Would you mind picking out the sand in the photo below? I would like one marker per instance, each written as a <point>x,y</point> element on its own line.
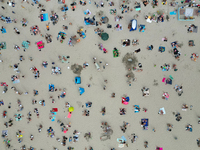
<point>187,75</point>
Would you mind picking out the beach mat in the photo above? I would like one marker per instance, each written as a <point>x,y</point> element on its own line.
<point>195,30</point>
<point>172,13</point>
<point>69,115</point>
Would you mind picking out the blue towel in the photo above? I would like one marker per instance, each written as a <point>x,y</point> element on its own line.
<point>123,138</point>
<point>172,13</point>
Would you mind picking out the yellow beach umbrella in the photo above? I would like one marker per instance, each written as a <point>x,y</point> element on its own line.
<point>71,109</point>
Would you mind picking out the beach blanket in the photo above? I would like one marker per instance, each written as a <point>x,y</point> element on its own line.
<point>44,17</point>
<point>163,109</point>
<point>25,44</point>
<point>39,43</point>
<point>136,109</point>
<point>2,45</point>
<point>115,53</point>
<point>16,81</point>
<point>50,87</point>
<point>69,115</point>
<point>3,30</point>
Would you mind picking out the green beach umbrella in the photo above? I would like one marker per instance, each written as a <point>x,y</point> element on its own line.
<point>104,36</point>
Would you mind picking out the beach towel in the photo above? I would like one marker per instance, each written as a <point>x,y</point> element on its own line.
<point>135,109</point>
<point>2,45</point>
<point>54,109</point>
<point>163,80</point>
<point>81,90</point>
<point>120,140</point>
<point>170,76</point>
<point>142,28</point>
<point>172,13</point>
<point>39,43</point>
<point>45,17</point>
<point>53,118</point>
<point>195,29</point>
<point>3,30</point>
<point>51,86</point>
<point>115,53</point>
<point>25,44</point>
<point>16,81</point>
<point>69,115</point>
<point>147,122</point>
<point>163,109</point>
<point>123,138</point>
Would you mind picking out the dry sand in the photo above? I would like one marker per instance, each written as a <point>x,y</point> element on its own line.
<point>187,75</point>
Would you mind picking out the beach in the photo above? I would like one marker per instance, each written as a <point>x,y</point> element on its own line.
<point>112,69</point>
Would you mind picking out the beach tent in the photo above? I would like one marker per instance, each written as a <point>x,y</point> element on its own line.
<point>81,90</point>
<point>78,80</point>
<point>44,17</point>
<point>133,25</point>
<point>104,36</point>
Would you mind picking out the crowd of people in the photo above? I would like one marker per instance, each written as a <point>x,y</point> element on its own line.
<point>124,8</point>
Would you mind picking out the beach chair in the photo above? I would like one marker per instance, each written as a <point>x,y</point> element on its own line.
<point>142,28</point>
<point>77,80</point>
<point>44,17</point>
<point>81,90</point>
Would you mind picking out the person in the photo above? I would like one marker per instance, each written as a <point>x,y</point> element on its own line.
<point>145,2</point>
<point>103,111</point>
<point>113,95</point>
<point>47,27</point>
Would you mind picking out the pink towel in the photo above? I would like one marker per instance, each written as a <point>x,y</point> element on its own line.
<point>69,115</point>
<point>163,80</point>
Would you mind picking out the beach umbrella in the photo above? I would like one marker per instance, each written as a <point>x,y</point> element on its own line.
<point>104,36</point>
<point>105,19</point>
<point>71,109</point>
<point>81,90</point>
